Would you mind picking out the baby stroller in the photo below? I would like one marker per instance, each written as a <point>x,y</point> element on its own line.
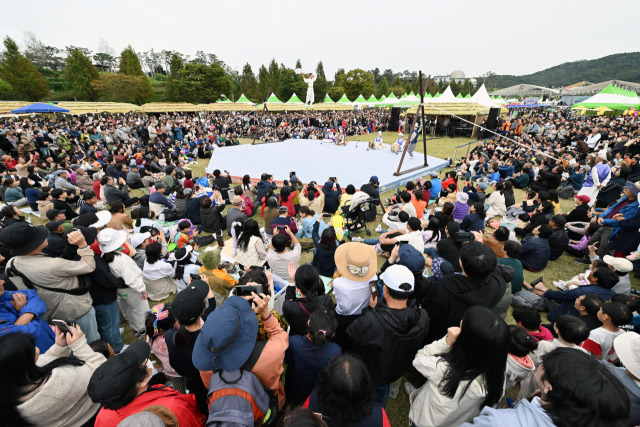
<point>355,213</point>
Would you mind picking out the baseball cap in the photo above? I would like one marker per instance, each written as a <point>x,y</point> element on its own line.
<point>396,276</point>
<point>622,265</point>
<point>583,198</point>
<point>138,238</point>
<point>283,209</point>
<point>411,258</point>
<point>627,347</point>
<point>189,304</point>
<point>483,185</point>
<point>374,179</point>
<point>630,185</point>
<point>115,378</point>
<point>53,225</point>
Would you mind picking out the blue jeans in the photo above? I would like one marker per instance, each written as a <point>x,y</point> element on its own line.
<point>382,394</point>
<point>373,241</point>
<point>432,252</point>
<point>108,318</point>
<point>89,326</point>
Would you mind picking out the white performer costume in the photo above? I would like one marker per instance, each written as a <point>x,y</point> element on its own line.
<point>310,95</point>
<point>399,144</point>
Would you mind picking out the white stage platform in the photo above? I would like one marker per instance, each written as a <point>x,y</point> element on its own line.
<point>317,161</point>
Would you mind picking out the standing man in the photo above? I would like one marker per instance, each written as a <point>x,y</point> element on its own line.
<point>309,81</point>
<point>597,178</point>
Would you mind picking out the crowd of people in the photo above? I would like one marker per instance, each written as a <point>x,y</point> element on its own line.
<point>207,274</point>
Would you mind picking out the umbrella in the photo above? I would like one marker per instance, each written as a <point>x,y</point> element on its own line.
<point>39,107</point>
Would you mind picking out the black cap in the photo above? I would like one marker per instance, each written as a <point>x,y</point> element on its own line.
<point>52,213</point>
<point>89,233</point>
<point>189,304</point>
<point>53,225</point>
<point>115,378</point>
<point>22,237</point>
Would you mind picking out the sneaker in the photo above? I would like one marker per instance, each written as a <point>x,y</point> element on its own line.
<point>357,239</point>
<point>378,228</point>
<point>393,392</point>
<point>121,331</point>
<point>141,335</point>
<point>409,388</point>
<point>583,260</point>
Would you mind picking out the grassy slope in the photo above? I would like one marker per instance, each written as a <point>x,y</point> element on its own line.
<point>562,268</point>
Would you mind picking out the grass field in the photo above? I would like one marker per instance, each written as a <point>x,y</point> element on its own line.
<point>563,268</point>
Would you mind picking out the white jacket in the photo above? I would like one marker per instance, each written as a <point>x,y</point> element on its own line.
<point>431,408</point>
<point>497,205</point>
<point>516,372</point>
<point>126,268</point>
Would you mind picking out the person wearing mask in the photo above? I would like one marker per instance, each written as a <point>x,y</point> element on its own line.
<point>389,333</point>
<point>462,378</point>
<point>33,383</point>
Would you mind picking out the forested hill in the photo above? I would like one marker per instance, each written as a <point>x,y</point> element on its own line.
<point>621,66</point>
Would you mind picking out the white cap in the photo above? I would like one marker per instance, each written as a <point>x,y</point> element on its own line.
<point>622,265</point>
<point>627,347</point>
<point>397,275</point>
<point>103,219</point>
<point>138,238</point>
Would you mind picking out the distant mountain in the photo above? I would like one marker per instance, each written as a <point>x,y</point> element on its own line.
<point>621,66</point>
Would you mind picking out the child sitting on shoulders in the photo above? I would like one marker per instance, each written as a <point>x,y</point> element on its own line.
<point>519,364</point>
<point>529,319</point>
<point>600,341</point>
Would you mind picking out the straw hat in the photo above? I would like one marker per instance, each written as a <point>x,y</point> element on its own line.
<point>356,261</point>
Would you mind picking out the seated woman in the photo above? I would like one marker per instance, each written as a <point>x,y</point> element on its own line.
<point>345,394</point>
<point>36,382</point>
<point>251,248</point>
<point>11,215</point>
<point>146,218</point>
<point>475,220</point>
<point>120,220</point>
<point>287,197</point>
<point>326,243</point>
<point>296,310</point>
<point>157,274</point>
<point>461,379</point>
<point>191,206</point>
<point>30,192</point>
<point>495,204</point>
<point>13,195</point>
<point>308,219</point>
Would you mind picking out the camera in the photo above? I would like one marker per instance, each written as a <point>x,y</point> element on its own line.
<point>152,230</point>
<point>463,236</point>
<point>333,178</point>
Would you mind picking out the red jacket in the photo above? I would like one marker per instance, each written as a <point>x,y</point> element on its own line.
<point>96,188</point>
<point>183,406</point>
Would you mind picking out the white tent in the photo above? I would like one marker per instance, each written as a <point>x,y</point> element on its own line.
<point>448,96</point>
<point>482,97</point>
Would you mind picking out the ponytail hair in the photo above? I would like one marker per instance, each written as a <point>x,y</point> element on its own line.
<point>322,325</point>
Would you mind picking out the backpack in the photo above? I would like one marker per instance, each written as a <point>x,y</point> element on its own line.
<point>566,192</point>
<point>238,399</point>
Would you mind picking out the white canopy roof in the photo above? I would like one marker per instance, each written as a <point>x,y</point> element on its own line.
<point>482,97</point>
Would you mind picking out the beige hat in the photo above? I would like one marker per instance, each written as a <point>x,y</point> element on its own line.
<point>622,265</point>
<point>356,261</point>
<point>237,200</point>
<point>627,347</point>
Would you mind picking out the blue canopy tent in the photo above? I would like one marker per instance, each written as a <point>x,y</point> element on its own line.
<point>39,107</point>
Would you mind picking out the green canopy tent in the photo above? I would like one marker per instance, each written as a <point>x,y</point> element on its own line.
<point>223,98</point>
<point>437,95</point>
<point>328,100</point>
<point>294,99</point>
<point>459,96</point>
<point>382,98</point>
<point>344,99</point>
<point>610,97</point>
<point>372,99</point>
<point>468,96</point>
<point>360,100</point>
<point>243,100</point>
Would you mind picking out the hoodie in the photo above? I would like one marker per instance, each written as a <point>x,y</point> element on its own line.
<point>544,334</point>
<point>525,414</point>
<point>518,368</point>
<point>263,186</point>
<point>387,339</point>
<point>455,293</point>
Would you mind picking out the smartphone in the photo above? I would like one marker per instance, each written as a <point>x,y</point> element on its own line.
<point>195,276</point>
<point>281,227</point>
<point>63,326</point>
<point>374,288</point>
<point>257,267</point>
<point>246,290</point>
<point>326,215</point>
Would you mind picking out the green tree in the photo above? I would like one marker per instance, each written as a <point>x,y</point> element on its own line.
<point>130,63</point>
<point>23,77</point>
<point>118,87</point>
<point>175,66</point>
<point>79,73</point>
<point>248,83</point>
<point>274,78</point>
<point>264,86</point>
<point>335,93</point>
<point>298,63</point>
<point>201,83</point>
<point>358,82</point>
<point>5,89</point>
<point>321,85</point>
<point>398,91</point>
<point>339,78</point>
<point>383,88</point>
<point>290,83</point>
